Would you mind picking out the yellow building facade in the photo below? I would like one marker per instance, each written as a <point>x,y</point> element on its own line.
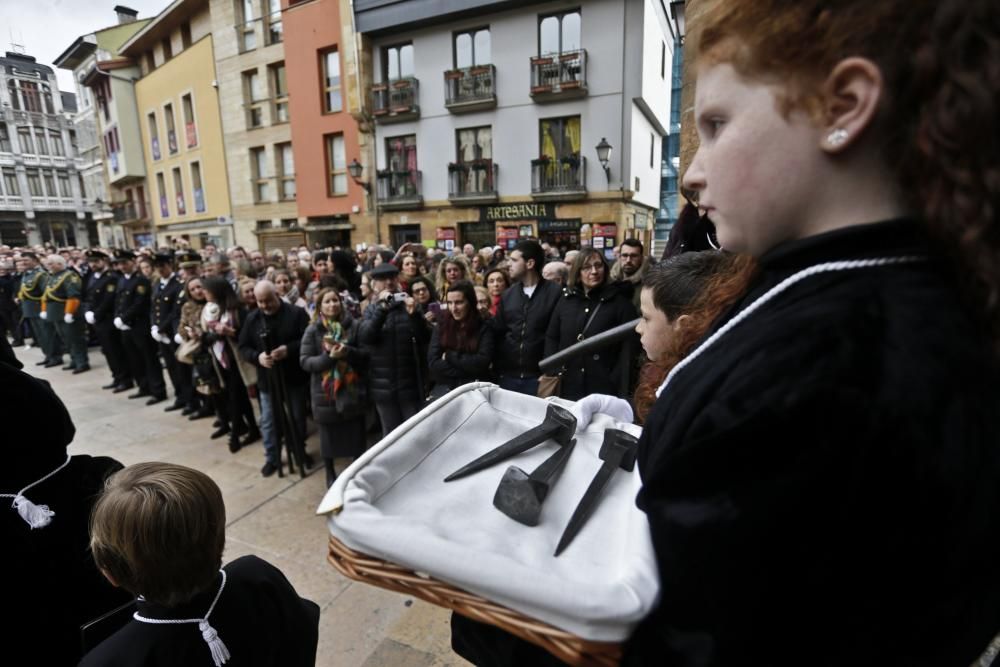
<point>181,127</point>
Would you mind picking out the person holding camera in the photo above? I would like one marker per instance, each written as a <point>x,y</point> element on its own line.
<point>394,331</point>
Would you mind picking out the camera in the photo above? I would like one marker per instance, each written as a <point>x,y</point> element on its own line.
<point>395,298</point>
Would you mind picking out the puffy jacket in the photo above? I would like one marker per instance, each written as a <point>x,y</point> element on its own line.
<point>316,362</point>
<point>393,338</point>
<point>599,372</point>
<point>520,325</point>
<point>453,368</point>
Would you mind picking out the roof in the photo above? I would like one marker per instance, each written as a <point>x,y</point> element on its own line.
<point>25,63</point>
<point>161,26</point>
<point>76,53</point>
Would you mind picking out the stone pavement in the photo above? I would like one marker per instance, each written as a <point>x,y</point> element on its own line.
<point>273,518</point>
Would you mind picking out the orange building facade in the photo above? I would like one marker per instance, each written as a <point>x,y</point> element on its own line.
<point>324,133</point>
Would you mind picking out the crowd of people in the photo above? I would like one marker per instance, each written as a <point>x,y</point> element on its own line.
<point>359,341</point>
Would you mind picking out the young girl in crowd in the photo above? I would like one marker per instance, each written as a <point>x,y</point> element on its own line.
<point>820,472</point>
<point>461,347</point>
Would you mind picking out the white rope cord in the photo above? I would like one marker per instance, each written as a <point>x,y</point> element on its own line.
<point>775,291</point>
<point>36,516</point>
<point>220,654</point>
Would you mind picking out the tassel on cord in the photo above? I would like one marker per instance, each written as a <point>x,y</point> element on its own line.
<point>36,516</point>
<point>220,654</point>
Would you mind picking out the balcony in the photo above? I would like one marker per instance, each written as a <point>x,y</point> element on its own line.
<point>559,179</point>
<point>127,211</point>
<point>470,89</point>
<point>396,101</point>
<point>473,182</point>
<point>559,76</point>
<point>399,189</point>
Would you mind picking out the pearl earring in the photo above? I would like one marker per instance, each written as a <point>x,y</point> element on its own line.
<point>837,137</point>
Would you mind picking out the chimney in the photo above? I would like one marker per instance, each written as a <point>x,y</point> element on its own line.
<point>125,14</point>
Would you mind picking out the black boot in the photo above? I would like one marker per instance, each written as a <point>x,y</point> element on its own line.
<point>331,474</point>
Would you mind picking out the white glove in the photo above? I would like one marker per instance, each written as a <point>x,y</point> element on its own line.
<point>165,340</point>
<point>612,406</point>
<point>154,331</point>
<point>44,315</point>
<point>119,324</point>
<point>89,316</point>
<point>126,327</point>
<point>68,318</point>
<point>178,339</point>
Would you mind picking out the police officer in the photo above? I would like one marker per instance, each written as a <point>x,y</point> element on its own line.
<point>167,290</point>
<point>132,319</point>
<point>99,311</point>
<point>30,295</point>
<point>60,304</point>
<point>9,312</point>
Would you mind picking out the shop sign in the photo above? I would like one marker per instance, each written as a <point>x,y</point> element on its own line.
<point>559,225</point>
<point>606,230</point>
<point>526,211</point>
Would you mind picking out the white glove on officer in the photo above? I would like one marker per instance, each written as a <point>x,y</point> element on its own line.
<point>89,316</point>
<point>165,340</point>
<point>612,406</point>
<point>119,324</point>
<point>178,339</point>
<point>154,331</point>
<point>43,315</point>
<point>68,318</point>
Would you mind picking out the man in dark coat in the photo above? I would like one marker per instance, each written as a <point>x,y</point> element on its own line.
<point>167,290</point>
<point>522,319</point>
<point>276,356</point>
<point>132,318</point>
<point>99,312</point>
<point>394,331</point>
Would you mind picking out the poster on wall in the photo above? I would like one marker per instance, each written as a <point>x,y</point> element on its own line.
<point>507,237</point>
<point>598,242</point>
<point>445,237</point>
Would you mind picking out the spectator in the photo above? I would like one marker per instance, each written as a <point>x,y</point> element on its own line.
<point>247,299</point>
<point>277,358</point>
<point>393,331</point>
<point>408,271</point>
<point>496,282</point>
<point>287,290</point>
<point>337,365</point>
<point>483,302</point>
<point>469,251</point>
<point>590,304</point>
<point>301,281</point>
<point>190,329</point>
<point>367,295</point>
<point>570,257</point>
<point>557,272</point>
<point>450,271</point>
<point>145,266</point>
<point>344,265</point>
<point>423,292</point>
<point>461,347</point>
<point>522,319</point>
<point>257,263</point>
<point>631,266</point>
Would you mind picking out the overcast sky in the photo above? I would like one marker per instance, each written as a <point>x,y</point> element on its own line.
<point>46,28</point>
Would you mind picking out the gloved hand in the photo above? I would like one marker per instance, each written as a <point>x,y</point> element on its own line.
<point>43,315</point>
<point>154,331</point>
<point>178,339</point>
<point>68,318</point>
<point>119,324</point>
<point>164,339</point>
<point>89,316</point>
<point>609,405</point>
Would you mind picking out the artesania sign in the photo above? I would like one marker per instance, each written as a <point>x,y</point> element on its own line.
<point>527,211</point>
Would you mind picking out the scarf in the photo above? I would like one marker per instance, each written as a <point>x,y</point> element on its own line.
<point>340,383</point>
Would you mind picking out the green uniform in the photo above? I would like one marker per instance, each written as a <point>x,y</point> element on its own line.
<point>32,292</point>
<point>66,286</point>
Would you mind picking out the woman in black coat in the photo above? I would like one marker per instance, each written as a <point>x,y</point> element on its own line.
<point>461,346</point>
<point>332,356</point>
<point>591,297</point>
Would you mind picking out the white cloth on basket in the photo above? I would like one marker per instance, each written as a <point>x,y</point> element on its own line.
<point>394,504</point>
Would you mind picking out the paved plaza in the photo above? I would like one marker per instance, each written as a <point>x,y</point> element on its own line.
<point>272,518</point>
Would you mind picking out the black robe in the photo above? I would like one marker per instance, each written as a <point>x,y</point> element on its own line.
<point>259,617</point>
<point>822,484</point>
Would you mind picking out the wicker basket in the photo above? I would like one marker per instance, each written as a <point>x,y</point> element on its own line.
<point>565,646</point>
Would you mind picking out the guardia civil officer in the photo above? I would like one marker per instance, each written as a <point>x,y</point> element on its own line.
<point>132,319</point>
<point>63,292</point>
<point>99,311</point>
<point>167,289</point>
<point>30,295</point>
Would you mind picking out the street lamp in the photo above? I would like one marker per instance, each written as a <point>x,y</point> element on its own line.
<point>355,169</point>
<point>603,155</point>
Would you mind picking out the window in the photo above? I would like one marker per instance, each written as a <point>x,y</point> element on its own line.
<point>47,98</point>
<point>141,190</point>
<point>4,138</point>
<point>286,171</point>
<point>472,48</point>
<point>161,192</point>
<point>336,165</point>
<point>12,93</point>
<point>29,96</point>
<point>41,143</point>
<point>196,188</point>
<point>150,62</point>
<point>475,159</point>
<point>331,82</point>
<point>253,93</point>
<point>248,38</point>
<point>397,62</point>
<point>559,33</point>
<point>274,21</point>
<point>280,87</point>
<point>50,183</point>
<point>168,114</point>
<point>10,183</point>
<point>560,138</point>
<point>263,224</point>
<point>154,135</point>
<point>24,139</point>
<point>56,141</point>
<point>258,167</point>
<point>190,130</point>
<point>179,192</point>
<point>34,182</point>
<point>185,35</point>
<point>64,190</point>
<point>168,51</point>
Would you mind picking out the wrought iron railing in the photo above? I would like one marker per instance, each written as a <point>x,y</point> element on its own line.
<point>559,175</point>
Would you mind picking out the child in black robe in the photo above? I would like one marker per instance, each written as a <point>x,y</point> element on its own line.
<point>159,531</point>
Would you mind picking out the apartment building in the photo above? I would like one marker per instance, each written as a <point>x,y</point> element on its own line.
<point>494,123</point>
<point>41,198</point>
<point>180,126</point>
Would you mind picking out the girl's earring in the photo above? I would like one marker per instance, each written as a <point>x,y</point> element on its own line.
<point>837,137</point>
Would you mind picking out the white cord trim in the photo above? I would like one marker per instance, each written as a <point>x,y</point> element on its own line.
<point>775,291</point>
<point>36,516</point>
<point>220,654</point>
